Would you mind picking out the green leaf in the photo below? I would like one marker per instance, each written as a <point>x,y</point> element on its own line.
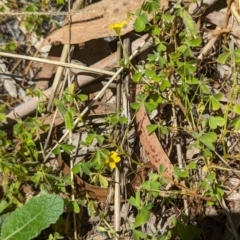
<point>141,218</point>
<point>208,138</point>
<point>34,216</point>
<point>155,31</point>
<point>149,65</point>
<point>215,104</point>
<point>96,157</point>
<point>133,201</point>
<point>214,122</point>
<point>68,148</point>
<point>85,168</point>
<point>152,57</point>
<point>161,61</point>
<point>60,2</point>
<point>151,6</point>
<point>76,208</point>
<point>82,97</point>
<point>68,120</point>
<point>223,57</point>
<point>195,42</point>
<point>137,235</point>
<point>61,107</point>
<point>211,177</point>
<point>161,47</point>
<point>100,139</point>
<point>204,88</point>
<point>90,138</point>
<point>191,165</point>
<point>150,73</point>
<point>31,8</point>
<point>140,23</point>
<point>150,106</point>
<point>236,109</point>
<point>218,96</point>
<point>3,205</point>
<point>2,116</point>
<point>183,173</point>
<point>235,123</point>
<point>91,209</point>
<point>135,106</point>
<point>36,178</point>
<point>136,202</point>
<point>123,120</point>
<point>3,218</point>
<point>237,55</point>
<point>167,17</point>
<point>76,168</point>
<point>103,181</point>
<point>165,84</point>
<point>137,77</point>
<point>56,150</point>
<point>151,128</point>
<point>156,78</point>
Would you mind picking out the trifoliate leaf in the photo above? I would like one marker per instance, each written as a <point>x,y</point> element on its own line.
<point>151,6</point>
<point>165,84</point>
<point>214,122</point>
<point>208,138</point>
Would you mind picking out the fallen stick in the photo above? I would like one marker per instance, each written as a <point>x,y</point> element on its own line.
<point>27,108</point>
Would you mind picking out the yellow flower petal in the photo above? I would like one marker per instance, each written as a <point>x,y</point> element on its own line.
<point>118,26</point>
<point>113,158</point>
<point>112,165</point>
<point>113,154</point>
<point>117,159</point>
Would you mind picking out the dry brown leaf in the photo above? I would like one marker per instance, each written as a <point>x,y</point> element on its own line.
<point>99,193</point>
<point>219,19</point>
<point>111,11</point>
<point>151,144</point>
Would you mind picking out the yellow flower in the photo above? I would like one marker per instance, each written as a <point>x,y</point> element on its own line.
<point>113,158</point>
<point>118,26</point>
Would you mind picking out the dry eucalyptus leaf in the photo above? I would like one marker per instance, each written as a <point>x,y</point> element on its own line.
<point>111,11</point>
<point>219,19</point>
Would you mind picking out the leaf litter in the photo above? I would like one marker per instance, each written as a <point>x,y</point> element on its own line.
<point>185,205</point>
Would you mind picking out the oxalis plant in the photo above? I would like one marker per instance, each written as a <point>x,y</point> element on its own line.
<point>168,77</point>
